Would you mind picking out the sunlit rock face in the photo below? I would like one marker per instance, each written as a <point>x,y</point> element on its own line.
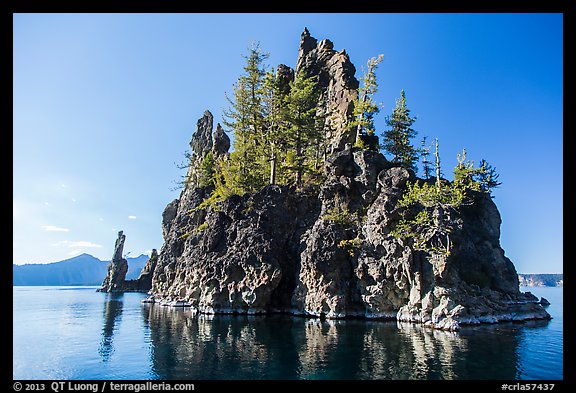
<point>336,78</point>
<point>330,252</point>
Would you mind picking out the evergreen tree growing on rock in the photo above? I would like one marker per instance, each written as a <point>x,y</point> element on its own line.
<point>397,138</point>
<point>274,99</point>
<point>245,118</point>
<point>364,106</point>
<point>305,127</point>
<point>426,164</point>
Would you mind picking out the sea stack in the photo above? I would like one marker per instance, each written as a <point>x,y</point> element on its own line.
<point>117,269</point>
<point>115,280</point>
<point>334,250</point>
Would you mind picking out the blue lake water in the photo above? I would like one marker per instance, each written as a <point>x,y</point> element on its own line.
<point>77,333</point>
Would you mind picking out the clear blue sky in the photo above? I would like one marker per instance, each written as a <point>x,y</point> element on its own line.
<point>105,106</point>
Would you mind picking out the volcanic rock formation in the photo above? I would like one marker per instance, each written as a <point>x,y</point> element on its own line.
<point>331,252</point>
<point>115,280</point>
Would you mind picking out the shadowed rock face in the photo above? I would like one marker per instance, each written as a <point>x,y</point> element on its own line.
<point>147,273</point>
<point>116,276</point>
<point>330,253</point>
<point>201,142</point>
<point>281,250</point>
<point>221,143</point>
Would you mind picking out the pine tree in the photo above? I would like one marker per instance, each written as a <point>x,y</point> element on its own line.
<point>484,178</point>
<point>207,169</point>
<point>275,114</point>
<point>364,106</point>
<point>487,177</point>
<point>397,138</point>
<point>302,107</point>
<point>245,118</point>
<point>426,164</point>
<point>464,173</point>
<point>438,169</point>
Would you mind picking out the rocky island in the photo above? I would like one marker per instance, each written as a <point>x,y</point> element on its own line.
<point>336,230</point>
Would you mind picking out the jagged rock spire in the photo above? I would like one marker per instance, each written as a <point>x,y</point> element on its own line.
<point>336,78</point>
<point>115,280</point>
<point>119,246</point>
<point>203,142</point>
<point>117,269</point>
<point>307,43</point>
<point>220,142</point>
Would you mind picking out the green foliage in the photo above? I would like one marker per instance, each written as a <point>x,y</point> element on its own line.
<point>464,173</point>
<point>305,125</point>
<point>249,207</point>
<point>414,229</point>
<point>278,132</point>
<point>397,139</point>
<point>483,178</point>
<point>340,216</point>
<point>200,228</point>
<point>426,163</point>
<point>207,169</point>
<point>212,202</point>
<point>487,177</point>
<point>275,113</point>
<point>361,144</point>
<point>351,246</point>
<point>228,180</point>
<point>185,236</point>
<point>245,117</point>
<point>185,179</point>
<point>364,106</point>
<point>429,195</point>
<point>440,197</point>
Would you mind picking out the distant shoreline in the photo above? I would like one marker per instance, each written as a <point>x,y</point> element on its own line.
<point>541,280</point>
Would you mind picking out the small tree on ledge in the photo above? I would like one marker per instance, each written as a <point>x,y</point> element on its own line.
<point>364,106</point>
<point>397,138</point>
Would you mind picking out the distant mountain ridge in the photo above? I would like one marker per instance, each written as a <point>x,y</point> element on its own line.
<point>83,269</point>
<point>541,280</point>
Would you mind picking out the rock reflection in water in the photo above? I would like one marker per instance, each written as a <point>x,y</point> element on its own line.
<point>112,314</point>
<point>189,346</point>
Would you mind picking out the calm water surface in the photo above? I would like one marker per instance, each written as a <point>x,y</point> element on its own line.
<point>77,333</point>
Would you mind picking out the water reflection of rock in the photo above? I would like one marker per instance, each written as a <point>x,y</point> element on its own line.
<point>188,346</point>
<point>112,315</point>
<point>433,354</point>
<point>319,339</point>
<point>218,347</point>
<point>486,352</point>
